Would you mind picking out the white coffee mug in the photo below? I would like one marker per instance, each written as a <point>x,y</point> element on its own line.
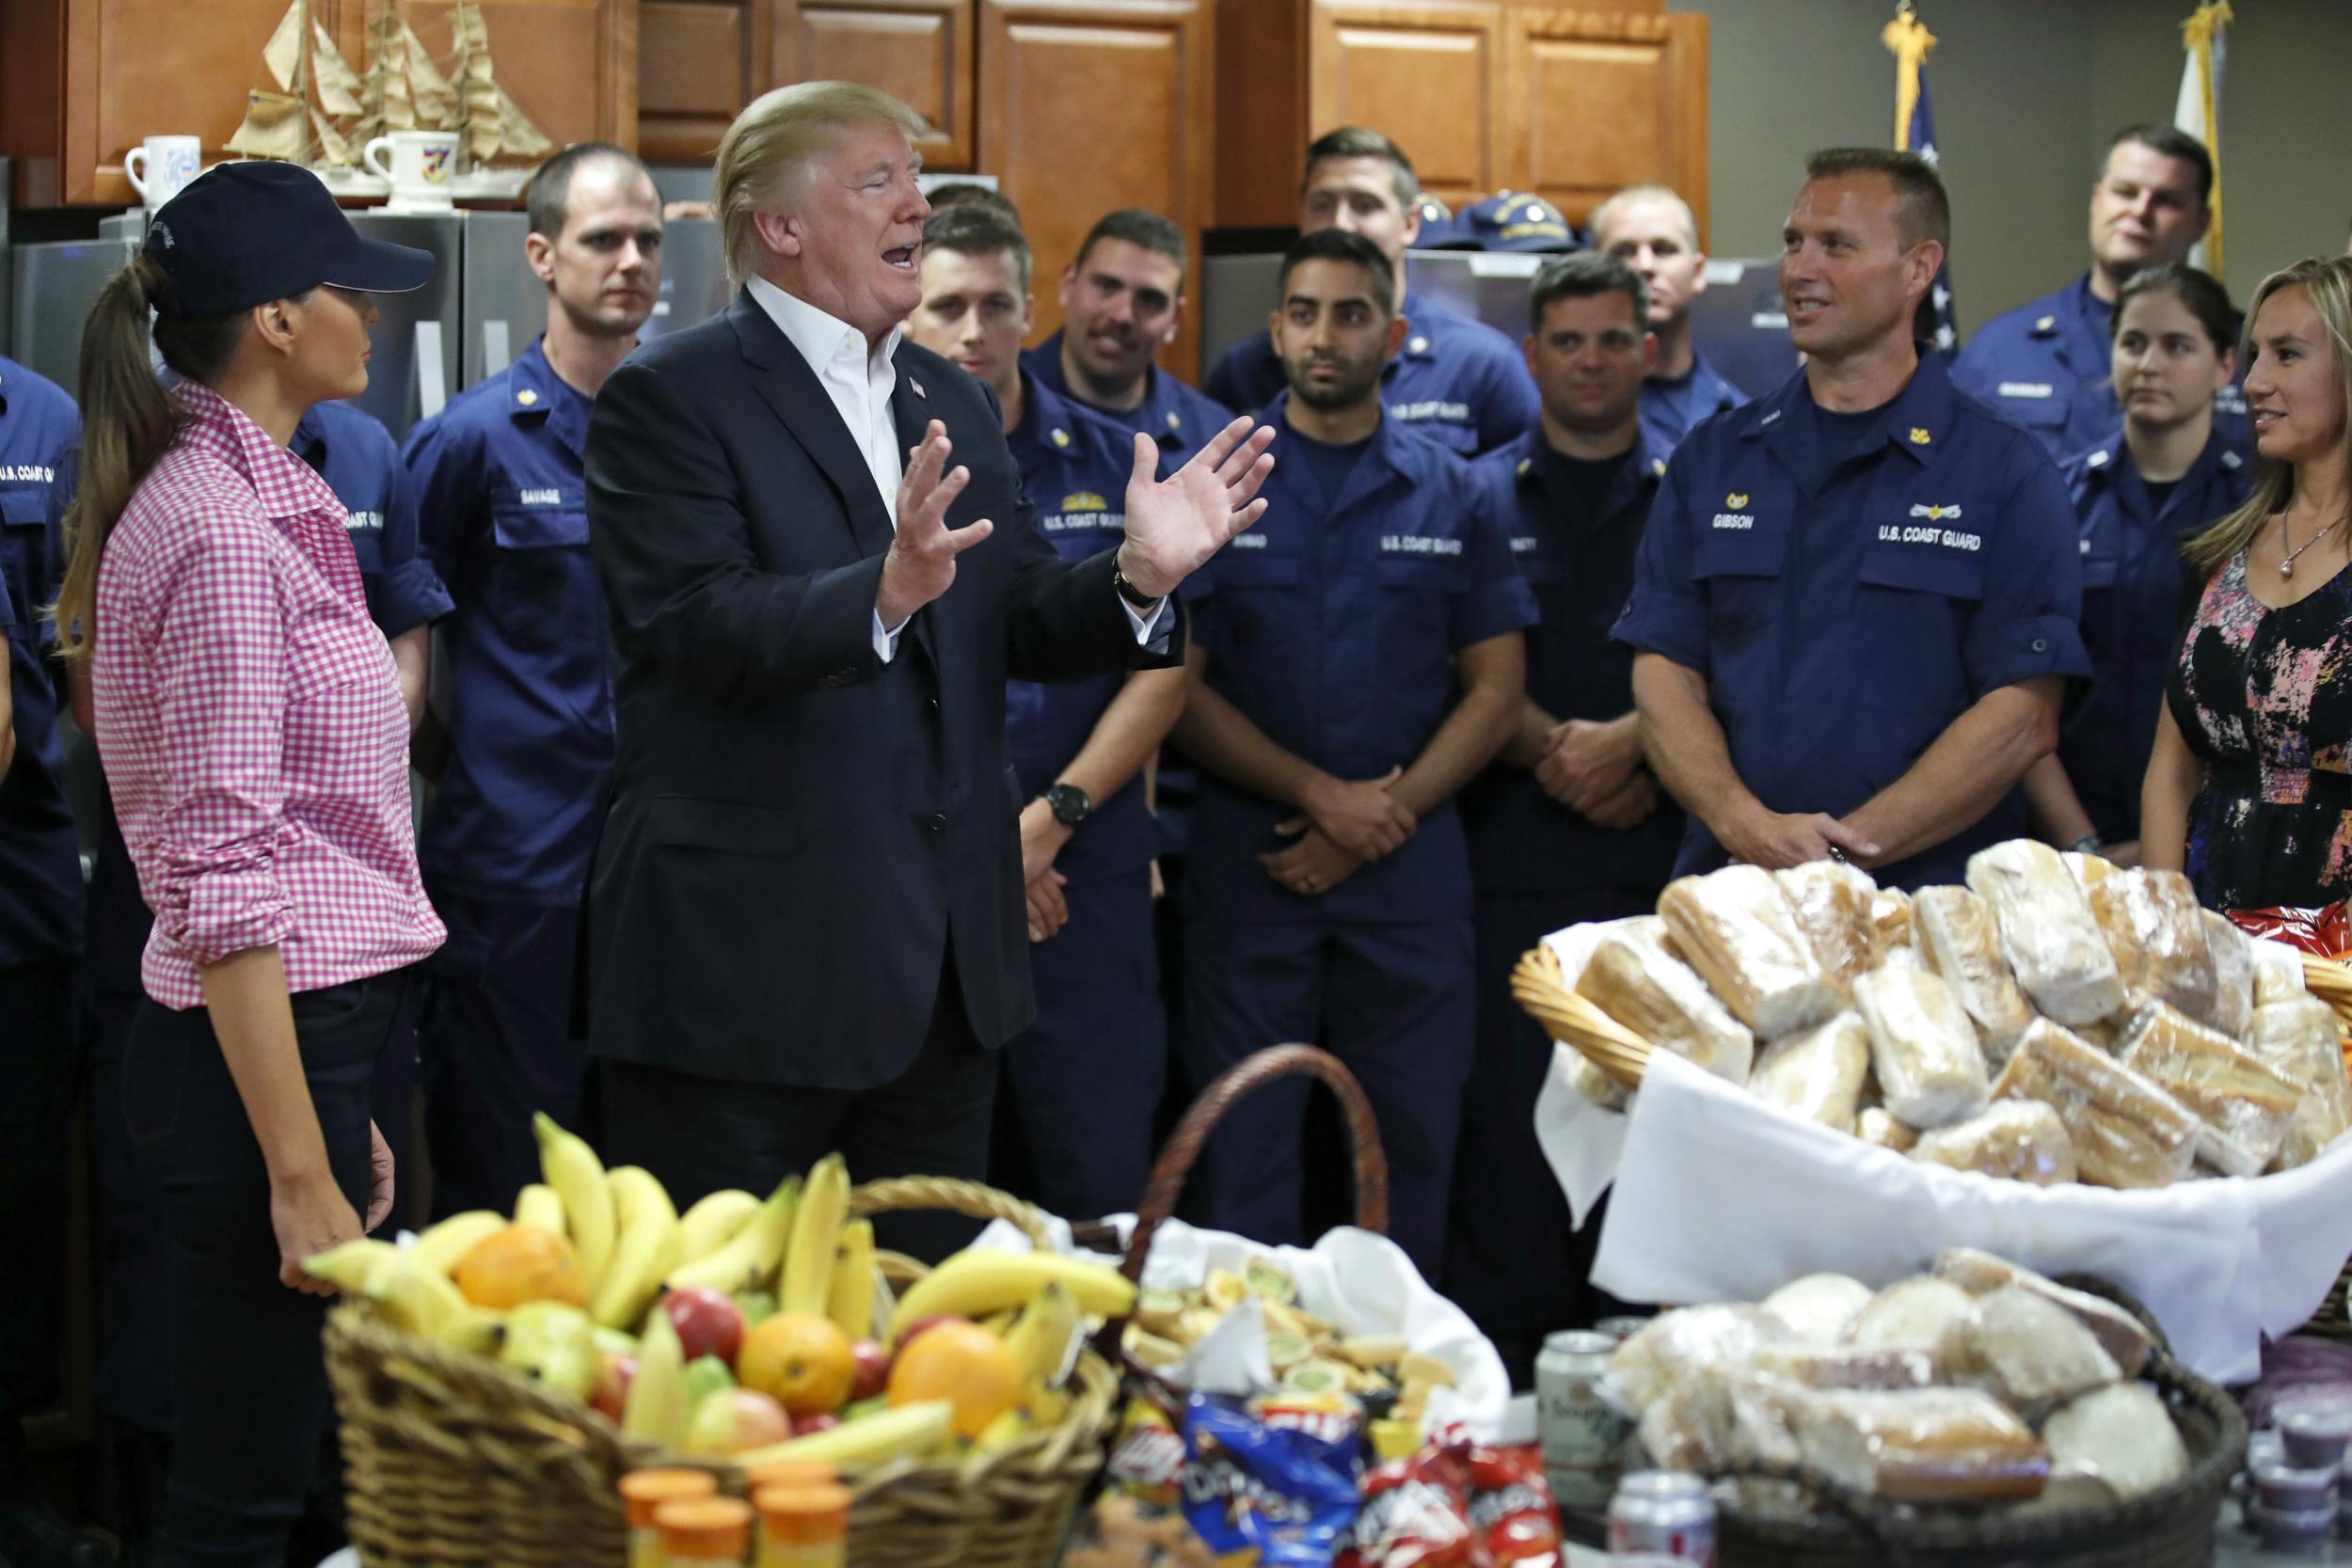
<point>419,163</point>
<point>158,167</point>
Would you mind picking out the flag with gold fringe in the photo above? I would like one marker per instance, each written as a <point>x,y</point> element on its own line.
<point>2198,111</point>
<point>1915,132</point>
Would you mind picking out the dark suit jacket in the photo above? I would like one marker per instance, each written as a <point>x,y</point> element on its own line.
<point>801,835</point>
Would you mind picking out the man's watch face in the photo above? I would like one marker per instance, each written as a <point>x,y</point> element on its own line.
<point>1069,803</point>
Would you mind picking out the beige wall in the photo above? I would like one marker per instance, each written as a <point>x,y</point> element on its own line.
<point>2026,94</point>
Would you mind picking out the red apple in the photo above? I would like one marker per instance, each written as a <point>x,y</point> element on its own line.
<point>823,1420</point>
<point>707,1322</point>
<point>734,1420</point>
<point>872,1364</point>
<point>921,1326</point>
<point>613,1380</point>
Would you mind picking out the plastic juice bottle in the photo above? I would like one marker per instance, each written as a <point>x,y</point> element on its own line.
<point>704,1532</point>
<point>803,1527</point>
<point>788,1472</point>
<point>643,1490</point>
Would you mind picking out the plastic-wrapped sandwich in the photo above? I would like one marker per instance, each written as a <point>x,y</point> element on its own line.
<point>1890,919</point>
<point>2297,1038</point>
<point>1955,933</point>
<point>2157,934</point>
<point>1922,1445</point>
<point>2245,1105</point>
<point>2028,1351</point>
<point>1635,980</point>
<point>2231,952</point>
<point>1930,1070</point>
<point>1735,927</point>
<point>2122,1434</point>
<point>2053,943</point>
<point>2128,1130</point>
<point>1817,1074</point>
<point>2022,1140</point>
<point>1981,1274</point>
<point>1831,903</point>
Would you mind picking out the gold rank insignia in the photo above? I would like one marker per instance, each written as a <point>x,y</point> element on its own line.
<point>1919,436</point>
<point>1060,437</point>
<point>2045,324</point>
<point>1525,464</point>
<point>1418,345</point>
<point>1736,499</point>
<point>1175,421</point>
<point>1658,466</point>
<point>526,397</point>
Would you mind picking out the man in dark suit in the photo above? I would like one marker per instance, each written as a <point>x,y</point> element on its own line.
<point>805,917</point>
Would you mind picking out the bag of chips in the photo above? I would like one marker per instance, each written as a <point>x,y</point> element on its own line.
<point>1263,1495</point>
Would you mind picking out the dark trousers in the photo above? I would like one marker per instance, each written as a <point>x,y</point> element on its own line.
<point>700,1134</point>
<point>40,1062</point>
<point>497,1045</point>
<point>1514,1261</point>
<point>248,1385</point>
<point>1393,1002</point>
<point>1081,1084</point>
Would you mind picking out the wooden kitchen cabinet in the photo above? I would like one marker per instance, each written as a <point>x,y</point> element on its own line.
<point>83,81</point>
<point>1485,95</point>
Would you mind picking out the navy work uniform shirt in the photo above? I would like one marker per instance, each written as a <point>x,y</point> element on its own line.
<point>1577,558</point>
<point>505,518</point>
<point>351,450</point>
<point>1332,624</point>
<point>2136,588</point>
<point>1671,405</point>
<point>1457,381</point>
<point>2047,366</point>
<point>1845,613</point>
<point>40,860</point>
<point>1073,468</point>
<point>1176,416</point>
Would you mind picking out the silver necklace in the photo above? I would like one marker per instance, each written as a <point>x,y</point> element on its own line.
<point>2286,562</point>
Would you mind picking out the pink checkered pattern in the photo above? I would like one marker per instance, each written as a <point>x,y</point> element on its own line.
<point>249,719</point>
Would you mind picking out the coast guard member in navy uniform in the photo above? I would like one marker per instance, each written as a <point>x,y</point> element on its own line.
<point>1362,663</point>
<point>506,842</point>
<point>1568,824</point>
<point>1452,378</point>
<point>1074,1126</point>
<point>1654,232</point>
<point>1856,605</point>
<point>1123,300</point>
<point>2044,364</point>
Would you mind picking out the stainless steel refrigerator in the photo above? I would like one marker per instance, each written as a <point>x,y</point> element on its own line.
<point>53,287</point>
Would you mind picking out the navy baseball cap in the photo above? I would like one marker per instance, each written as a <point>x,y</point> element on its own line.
<point>1440,229</point>
<point>1516,221</point>
<point>242,235</point>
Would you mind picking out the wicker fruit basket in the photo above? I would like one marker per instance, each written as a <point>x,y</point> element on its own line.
<point>450,1459</point>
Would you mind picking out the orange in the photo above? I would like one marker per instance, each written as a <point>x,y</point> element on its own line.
<point>521,1263</point>
<point>800,1359</point>
<point>964,1364</point>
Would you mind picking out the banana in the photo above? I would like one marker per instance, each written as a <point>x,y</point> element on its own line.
<point>655,1408</point>
<point>974,1283</point>
<point>349,1266</point>
<point>1040,1341</point>
<point>648,1248</point>
<point>712,1223</point>
<point>748,1262</point>
<point>443,1247</point>
<point>539,1205</point>
<point>850,1304</point>
<point>475,1330</point>
<point>907,1430</point>
<point>577,1176</point>
<point>807,1285</point>
<point>415,1298</point>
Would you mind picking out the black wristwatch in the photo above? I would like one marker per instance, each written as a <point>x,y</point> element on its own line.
<point>1129,591</point>
<point>1069,803</point>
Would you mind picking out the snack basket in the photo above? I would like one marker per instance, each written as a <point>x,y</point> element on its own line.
<point>450,1459</point>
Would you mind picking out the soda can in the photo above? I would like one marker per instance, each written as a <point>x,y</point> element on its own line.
<point>1622,1328</point>
<point>1583,1434</point>
<point>1664,1511</point>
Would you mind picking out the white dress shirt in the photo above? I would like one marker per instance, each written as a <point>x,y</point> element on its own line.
<point>859,379</point>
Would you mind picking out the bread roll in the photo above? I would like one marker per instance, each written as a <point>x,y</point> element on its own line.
<point>1734,928</point>
<point>2028,1351</point>
<point>1890,920</point>
<point>2053,943</point>
<point>1915,1313</point>
<point>1831,903</point>
<point>2122,1434</point>
<point>1713,1420</point>
<point>2128,1131</point>
<point>1955,933</point>
<point>1922,1445</point>
<point>1877,1125</point>
<point>1981,1274</point>
<point>2275,980</point>
<point>1595,1084</point>
<point>1818,1074</point>
<point>1635,980</point>
<point>2231,952</point>
<point>1674,1345</point>
<point>1923,1048</point>
<point>2300,1040</point>
<point>2022,1140</point>
<point>2157,932</point>
<point>2088,871</point>
<point>2244,1106</point>
<point>1819,1305</point>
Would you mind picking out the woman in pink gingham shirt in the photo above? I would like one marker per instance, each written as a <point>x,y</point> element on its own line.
<point>250,724</point>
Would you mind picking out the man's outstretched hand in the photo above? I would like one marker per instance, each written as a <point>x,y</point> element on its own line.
<point>1177,523</point>
<point>922,559</point>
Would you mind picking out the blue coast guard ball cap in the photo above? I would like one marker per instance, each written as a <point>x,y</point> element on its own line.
<point>1516,221</point>
<point>242,234</point>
